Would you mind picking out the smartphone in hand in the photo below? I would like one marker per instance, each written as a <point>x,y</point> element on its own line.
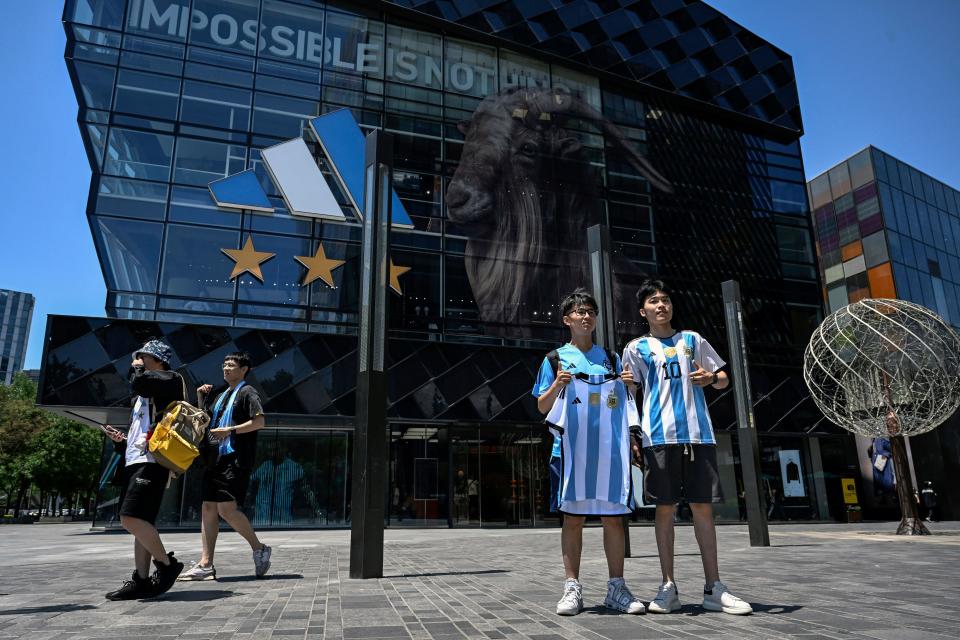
<point>114,434</point>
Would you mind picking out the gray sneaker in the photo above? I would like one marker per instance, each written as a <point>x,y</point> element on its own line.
<point>619,598</point>
<point>572,601</point>
<point>667,600</point>
<point>197,572</point>
<point>261,560</point>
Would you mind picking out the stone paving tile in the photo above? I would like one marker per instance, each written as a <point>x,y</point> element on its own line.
<point>815,581</point>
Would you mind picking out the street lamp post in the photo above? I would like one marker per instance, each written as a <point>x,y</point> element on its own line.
<point>369,486</point>
<point>747,431</point>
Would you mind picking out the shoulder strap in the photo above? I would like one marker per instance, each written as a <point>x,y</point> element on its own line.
<point>554,359</point>
<point>612,357</point>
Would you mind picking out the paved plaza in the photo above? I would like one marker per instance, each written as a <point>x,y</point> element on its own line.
<point>815,581</point>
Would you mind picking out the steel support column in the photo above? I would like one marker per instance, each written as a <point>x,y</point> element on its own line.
<point>746,433</point>
<point>370,451</point>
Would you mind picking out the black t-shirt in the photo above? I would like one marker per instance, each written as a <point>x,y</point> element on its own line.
<point>246,407</point>
<point>160,387</point>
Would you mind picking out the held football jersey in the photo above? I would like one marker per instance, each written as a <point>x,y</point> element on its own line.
<point>594,415</point>
<point>593,362</point>
<point>674,409</point>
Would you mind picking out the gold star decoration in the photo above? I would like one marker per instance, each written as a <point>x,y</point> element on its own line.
<point>248,260</point>
<point>395,273</point>
<point>318,266</point>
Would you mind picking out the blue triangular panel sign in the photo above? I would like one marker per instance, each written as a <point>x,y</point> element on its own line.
<point>240,191</point>
<point>342,141</point>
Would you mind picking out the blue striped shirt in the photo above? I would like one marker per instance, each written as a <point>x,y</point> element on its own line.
<point>592,362</point>
<point>674,409</point>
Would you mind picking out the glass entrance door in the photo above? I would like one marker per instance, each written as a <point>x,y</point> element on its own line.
<point>418,491</point>
<point>509,475</point>
<point>466,479</point>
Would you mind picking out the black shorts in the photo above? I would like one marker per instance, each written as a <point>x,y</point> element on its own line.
<point>142,490</point>
<point>676,471</point>
<point>225,482</point>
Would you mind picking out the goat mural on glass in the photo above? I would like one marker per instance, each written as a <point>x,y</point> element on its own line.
<point>524,194</point>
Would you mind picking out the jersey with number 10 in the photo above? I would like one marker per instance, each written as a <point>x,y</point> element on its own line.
<point>674,409</point>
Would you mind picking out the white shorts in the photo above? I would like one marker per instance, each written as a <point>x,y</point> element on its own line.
<point>593,508</point>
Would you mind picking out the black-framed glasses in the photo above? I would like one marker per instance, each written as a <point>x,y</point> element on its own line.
<point>583,311</point>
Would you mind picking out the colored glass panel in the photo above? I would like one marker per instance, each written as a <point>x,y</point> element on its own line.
<point>881,281</point>
<point>861,171</point>
<point>820,191</point>
<point>871,225</point>
<point>839,180</point>
<point>851,250</point>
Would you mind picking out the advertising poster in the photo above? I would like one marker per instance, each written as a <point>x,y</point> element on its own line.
<point>849,490</point>
<point>792,474</point>
<point>525,191</point>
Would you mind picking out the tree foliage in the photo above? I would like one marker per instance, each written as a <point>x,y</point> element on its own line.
<point>65,457</point>
<point>41,448</point>
<point>20,423</point>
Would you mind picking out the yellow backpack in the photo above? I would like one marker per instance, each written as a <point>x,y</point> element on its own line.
<point>176,440</point>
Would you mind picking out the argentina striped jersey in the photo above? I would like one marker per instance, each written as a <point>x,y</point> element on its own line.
<point>595,416</point>
<point>593,362</point>
<point>674,409</point>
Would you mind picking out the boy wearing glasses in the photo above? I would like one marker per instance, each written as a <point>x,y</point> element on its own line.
<point>679,448</point>
<point>582,356</point>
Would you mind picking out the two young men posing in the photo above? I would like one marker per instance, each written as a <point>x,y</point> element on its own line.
<point>678,446</point>
<point>236,416</point>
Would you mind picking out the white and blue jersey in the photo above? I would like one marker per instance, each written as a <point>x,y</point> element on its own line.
<point>674,409</point>
<point>595,415</point>
<point>592,362</point>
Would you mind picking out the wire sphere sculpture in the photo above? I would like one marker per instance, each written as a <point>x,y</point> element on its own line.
<point>882,368</point>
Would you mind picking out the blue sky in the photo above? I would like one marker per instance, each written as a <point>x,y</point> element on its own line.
<point>879,72</point>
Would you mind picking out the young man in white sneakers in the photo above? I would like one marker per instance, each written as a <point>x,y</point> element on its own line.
<point>236,416</point>
<point>582,356</point>
<point>679,448</point>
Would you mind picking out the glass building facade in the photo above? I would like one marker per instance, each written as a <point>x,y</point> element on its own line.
<point>16,313</point>
<point>517,125</point>
<point>887,230</point>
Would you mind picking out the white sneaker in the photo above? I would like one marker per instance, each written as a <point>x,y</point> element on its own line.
<point>667,600</point>
<point>197,572</point>
<point>619,598</point>
<point>572,601</point>
<point>261,560</point>
<point>720,599</point>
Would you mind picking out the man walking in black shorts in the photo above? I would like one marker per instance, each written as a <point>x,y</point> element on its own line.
<point>236,416</point>
<point>154,386</point>
<point>679,448</point>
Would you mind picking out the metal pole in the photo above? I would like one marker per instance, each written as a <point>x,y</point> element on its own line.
<point>910,522</point>
<point>598,244</point>
<point>601,276</point>
<point>747,432</point>
<point>368,490</point>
